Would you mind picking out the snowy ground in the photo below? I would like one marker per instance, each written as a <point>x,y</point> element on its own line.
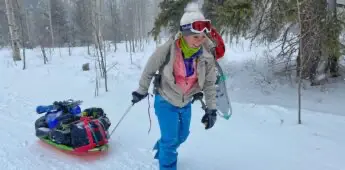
<point>261,135</point>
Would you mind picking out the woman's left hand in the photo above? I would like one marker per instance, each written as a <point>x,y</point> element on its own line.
<point>209,119</point>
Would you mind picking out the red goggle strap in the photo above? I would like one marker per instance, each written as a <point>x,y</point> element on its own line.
<point>204,24</point>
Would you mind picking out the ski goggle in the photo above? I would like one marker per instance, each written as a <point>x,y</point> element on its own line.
<point>197,26</point>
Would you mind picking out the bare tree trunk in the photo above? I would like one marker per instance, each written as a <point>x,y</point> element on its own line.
<point>113,24</point>
<point>88,47</point>
<point>24,59</point>
<point>13,29</point>
<point>299,64</point>
<point>27,18</point>
<point>126,39</point>
<point>133,45</point>
<point>131,50</point>
<point>24,55</point>
<point>45,59</point>
<point>51,23</point>
<point>97,31</point>
<point>97,81</point>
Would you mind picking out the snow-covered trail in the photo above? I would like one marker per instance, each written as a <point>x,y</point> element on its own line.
<point>260,137</point>
<point>255,137</point>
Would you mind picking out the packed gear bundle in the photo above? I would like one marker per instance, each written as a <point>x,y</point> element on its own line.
<point>68,128</point>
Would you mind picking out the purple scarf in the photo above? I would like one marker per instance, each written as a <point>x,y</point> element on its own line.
<point>189,62</point>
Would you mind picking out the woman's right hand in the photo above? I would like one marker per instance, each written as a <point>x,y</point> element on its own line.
<point>137,97</point>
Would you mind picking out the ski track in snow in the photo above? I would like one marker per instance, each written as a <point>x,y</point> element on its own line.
<point>257,136</point>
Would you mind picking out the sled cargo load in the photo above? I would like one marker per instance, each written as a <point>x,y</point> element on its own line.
<point>66,127</point>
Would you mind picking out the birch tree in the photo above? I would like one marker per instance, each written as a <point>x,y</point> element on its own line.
<point>13,30</point>
<point>21,13</point>
<point>51,23</point>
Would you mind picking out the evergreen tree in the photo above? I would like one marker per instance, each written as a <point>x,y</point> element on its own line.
<point>169,17</point>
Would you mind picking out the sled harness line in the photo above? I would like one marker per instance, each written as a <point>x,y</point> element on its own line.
<point>123,116</point>
<point>127,111</point>
<point>148,110</point>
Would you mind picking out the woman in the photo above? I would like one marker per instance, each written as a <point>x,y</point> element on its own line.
<point>189,71</point>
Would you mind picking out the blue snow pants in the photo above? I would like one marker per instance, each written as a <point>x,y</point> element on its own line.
<point>174,123</point>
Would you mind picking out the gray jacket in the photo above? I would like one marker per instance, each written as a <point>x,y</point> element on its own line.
<point>168,89</point>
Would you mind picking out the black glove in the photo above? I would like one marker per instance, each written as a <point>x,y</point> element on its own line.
<point>209,119</point>
<point>137,97</point>
<point>197,96</point>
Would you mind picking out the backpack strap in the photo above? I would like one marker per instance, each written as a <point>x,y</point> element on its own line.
<point>167,59</point>
<point>158,76</point>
